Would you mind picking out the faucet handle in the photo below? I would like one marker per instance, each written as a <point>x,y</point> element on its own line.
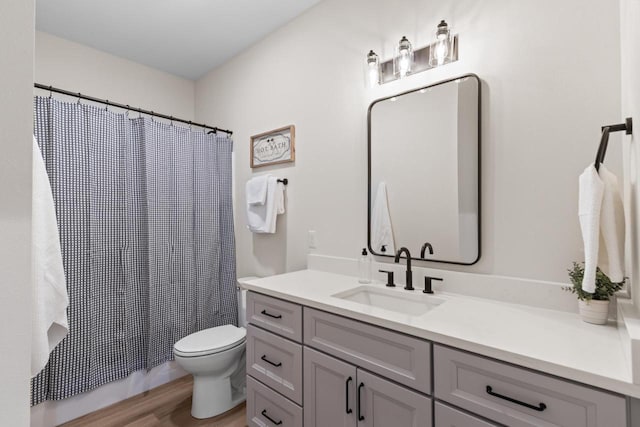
<point>428,289</point>
<point>389,278</point>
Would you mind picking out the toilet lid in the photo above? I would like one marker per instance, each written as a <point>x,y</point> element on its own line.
<point>212,340</point>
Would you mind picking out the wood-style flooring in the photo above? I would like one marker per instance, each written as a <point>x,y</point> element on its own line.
<point>166,406</point>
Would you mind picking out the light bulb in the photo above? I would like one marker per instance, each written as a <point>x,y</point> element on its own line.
<point>403,58</point>
<point>373,69</point>
<point>404,63</point>
<point>442,51</point>
<point>442,48</point>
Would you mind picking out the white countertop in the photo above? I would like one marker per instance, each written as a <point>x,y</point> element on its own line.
<point>554,342</point>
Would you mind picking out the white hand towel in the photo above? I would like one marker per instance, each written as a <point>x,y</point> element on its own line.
<point>611,259</point>
<point>49,288</point>
<point>256,190</point>
<point>591,191</point>
<point>381,229</point>
<point>262,218</point>
<point>278,202</point>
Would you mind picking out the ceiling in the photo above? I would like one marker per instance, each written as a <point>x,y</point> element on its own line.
<point>183,37</point>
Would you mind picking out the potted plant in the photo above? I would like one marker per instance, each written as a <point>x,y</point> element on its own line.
<point>594,307</point>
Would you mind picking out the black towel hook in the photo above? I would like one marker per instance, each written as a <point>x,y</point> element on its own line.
<point>627,126</point>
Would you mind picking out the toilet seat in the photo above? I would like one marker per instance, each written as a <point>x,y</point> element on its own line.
<point>210,341</point>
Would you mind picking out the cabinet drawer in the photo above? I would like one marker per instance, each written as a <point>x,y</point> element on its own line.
<point>278,316</point>
<point>449,417</point>
<point>265,407</point>
<point>404,359</point>
<point>276,362</point>
<point>518,397</point>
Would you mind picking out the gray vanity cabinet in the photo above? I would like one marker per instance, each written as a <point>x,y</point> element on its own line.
<point>337,394</point>
<point>311,368</point>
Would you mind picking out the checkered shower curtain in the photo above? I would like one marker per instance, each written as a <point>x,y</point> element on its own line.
<point>146,225</point>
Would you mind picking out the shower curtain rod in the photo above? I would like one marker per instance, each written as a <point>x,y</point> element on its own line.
<point>78,95</point>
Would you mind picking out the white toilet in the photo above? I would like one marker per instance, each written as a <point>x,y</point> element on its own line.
<point>215,358</point>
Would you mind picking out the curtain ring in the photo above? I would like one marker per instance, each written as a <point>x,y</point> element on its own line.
<point>79,96</point>
<point>152,117</point>
<point>106,107</point>
<point>171,121</point>
<point>50,92</point>
<point>190,125</point>
<point>127,112</point>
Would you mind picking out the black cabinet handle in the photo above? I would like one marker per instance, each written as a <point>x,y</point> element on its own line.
<point>264,357</point>
<point>264,414</point>
<point>541,406</point>
<point>346,392</point>
<point>275,316</point>
<point>359,407</point>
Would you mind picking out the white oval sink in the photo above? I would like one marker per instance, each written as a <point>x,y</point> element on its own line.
<point>413,303</point>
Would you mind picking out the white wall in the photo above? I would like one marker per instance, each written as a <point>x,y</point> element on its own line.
<point>16,130</point>
<point>630,60</point>
<point>551,78</point>
<point>78,68</point>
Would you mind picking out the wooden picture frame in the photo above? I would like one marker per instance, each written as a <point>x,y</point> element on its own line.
<point>273,147</point>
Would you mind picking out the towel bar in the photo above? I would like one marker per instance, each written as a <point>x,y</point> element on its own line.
<point>627,126</point>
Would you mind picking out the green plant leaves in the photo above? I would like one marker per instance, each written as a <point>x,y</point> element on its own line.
<point>605,288</point>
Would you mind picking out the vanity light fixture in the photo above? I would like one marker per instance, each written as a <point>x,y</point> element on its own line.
<point>407,61</point>
<point>403,60</point>
<point>373,69</point>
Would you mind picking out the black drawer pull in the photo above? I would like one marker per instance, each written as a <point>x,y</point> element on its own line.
<point>275,316</point>
<point>359,407</point>
<point>264,414</point>
<point>346,392</point>
<point>541,407</point>
<point>264,357</point>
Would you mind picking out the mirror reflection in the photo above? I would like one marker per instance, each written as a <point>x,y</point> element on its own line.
<point>424,172</point>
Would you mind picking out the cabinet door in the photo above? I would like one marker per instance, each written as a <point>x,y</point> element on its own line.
<point>381,403</point>
<point>329,391</point>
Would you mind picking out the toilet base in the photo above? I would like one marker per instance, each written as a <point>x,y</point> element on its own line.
<point>213,396</point>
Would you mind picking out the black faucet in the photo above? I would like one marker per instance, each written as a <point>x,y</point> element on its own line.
<point>428,287</point>
<point>424,248</point>
<point>409,281</point>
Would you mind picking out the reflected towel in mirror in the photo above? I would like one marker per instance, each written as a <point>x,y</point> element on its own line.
<point>381,228</point>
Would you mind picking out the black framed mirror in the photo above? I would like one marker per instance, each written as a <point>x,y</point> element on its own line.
<point>424,172</point>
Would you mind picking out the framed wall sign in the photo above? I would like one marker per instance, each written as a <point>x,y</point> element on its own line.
<point>273,147</point>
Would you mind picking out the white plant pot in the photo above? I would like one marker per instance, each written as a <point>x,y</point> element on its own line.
<point>596,312</point>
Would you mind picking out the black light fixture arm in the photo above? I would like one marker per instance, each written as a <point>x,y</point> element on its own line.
<point>79,95</point>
